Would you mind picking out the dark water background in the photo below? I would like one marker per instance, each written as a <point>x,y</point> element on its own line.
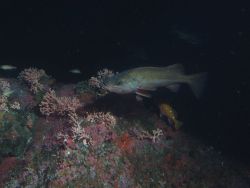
<point>91,35</point>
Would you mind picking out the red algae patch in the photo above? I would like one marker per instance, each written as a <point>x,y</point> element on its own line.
<point>126,143</point>
<point>6,166</point>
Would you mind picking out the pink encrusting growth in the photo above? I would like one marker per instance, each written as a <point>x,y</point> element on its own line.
<point>100,133</point>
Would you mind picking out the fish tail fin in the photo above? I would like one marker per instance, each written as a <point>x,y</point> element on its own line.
<point>197,83</point>
<point>178,124</point>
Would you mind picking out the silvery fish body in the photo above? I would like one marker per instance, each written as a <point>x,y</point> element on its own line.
<point>7,67</point>
<point>150,78</point>
<point>75,71</point>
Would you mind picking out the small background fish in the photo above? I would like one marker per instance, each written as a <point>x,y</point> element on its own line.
<point>75,71</point>
<point>7,67</point>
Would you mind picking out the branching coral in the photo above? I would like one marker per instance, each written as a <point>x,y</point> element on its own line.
<point>101,118</point>
<point>98,81</point>
<point>65,106</point>
<point>51,104</point>
<point>154,136</point>
<point>101,75</point>
<point>15,105</point>
<point>5,92</point>
<point>78,131</point>
<point>5,88</point>
<point>33,76</point>
<point>3,103</point>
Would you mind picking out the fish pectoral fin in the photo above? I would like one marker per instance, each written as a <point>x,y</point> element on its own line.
<point>143,93</point>
<point>173,87</point>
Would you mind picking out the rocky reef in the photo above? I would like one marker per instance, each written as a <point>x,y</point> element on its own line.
<point>75,135</point>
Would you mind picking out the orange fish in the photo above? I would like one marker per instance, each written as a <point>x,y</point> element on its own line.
<point>168,112</point>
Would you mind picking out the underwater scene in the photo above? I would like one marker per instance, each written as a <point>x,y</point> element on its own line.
<point>124,94</point>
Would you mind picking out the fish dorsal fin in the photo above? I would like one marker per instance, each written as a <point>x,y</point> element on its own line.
<point>178,68</point>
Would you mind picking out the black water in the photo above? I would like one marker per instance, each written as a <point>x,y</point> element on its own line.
<point>90,35</point>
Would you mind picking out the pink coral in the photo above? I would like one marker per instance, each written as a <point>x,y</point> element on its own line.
<point>32,76</point>
<point>99,134</point>
<point>102,118</point>
<point>3,103</point>
<point>101,75</point>
<point>4,86</point>
<point>5,167</point>
<point>51,104</point>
